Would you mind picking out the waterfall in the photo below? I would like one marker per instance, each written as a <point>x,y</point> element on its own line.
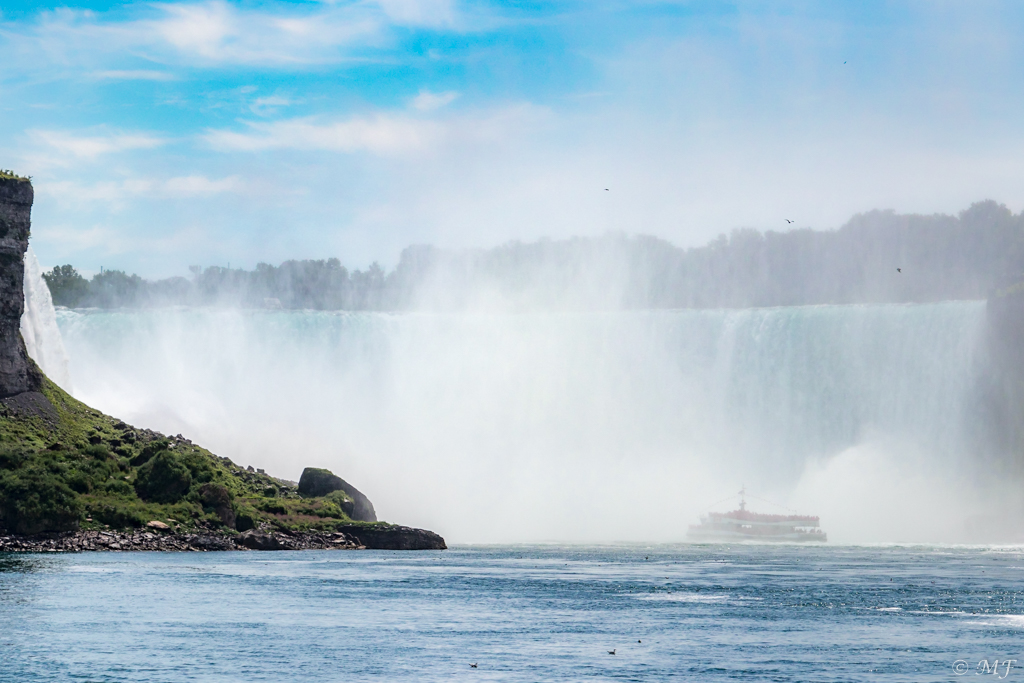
<point>571,426</point>
<point>39,326</point>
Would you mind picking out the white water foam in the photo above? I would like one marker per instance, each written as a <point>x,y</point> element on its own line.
<point>565,426</point>
<point>683,597</point>
<point>39,326</point>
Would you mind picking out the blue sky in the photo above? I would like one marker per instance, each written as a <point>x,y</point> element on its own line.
<point>161,135</point>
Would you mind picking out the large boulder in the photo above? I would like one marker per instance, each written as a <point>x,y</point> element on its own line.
<point>320,482</point>
<point>258,540</point>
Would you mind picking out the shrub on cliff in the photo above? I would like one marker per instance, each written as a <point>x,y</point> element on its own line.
<point>343,501</point>
<point>148,451</point>
<point>13,458</point>
<point>216,499</point>
<point>33,500</point>
<point>164,479</point>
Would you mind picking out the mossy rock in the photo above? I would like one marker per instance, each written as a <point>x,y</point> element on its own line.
<point>316,482</point>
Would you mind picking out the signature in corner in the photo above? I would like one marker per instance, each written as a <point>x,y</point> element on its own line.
<point>961,667</point>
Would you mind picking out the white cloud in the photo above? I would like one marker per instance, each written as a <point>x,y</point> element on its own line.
<point>385,134</point>
<point>134,75</point>
<point>90,147</point>
<point>428,101</point>
<point>380,134</point>
<point>433,13</point>
<point>73,239</point>
<point>193,185</point>
<point>264,106</point>
<point>117,192</point>
<point>206,34</point>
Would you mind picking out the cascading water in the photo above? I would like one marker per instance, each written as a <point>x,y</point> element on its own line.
<point>570,426</point>
<point>39,326</point>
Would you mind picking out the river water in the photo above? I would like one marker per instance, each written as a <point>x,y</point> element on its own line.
<point>521,613</point>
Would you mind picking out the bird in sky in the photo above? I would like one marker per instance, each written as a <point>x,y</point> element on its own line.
<point>788,221</point>
<point>606,189</point>
<point>899,270</point>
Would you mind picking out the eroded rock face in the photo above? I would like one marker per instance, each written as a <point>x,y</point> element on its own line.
<point>17,373</point>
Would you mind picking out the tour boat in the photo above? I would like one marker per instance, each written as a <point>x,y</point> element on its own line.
<point>744,525</point>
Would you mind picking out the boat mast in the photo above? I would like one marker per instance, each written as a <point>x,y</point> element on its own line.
<point>743,499</point>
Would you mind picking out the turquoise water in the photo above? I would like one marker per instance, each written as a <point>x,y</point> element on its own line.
<point>547,613</point>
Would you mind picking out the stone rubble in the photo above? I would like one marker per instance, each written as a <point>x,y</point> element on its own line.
<point>200,541</point>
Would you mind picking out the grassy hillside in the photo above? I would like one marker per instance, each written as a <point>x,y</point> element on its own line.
<point>68,466</point>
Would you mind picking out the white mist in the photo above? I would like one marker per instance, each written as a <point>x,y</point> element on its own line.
<point>563,426</point>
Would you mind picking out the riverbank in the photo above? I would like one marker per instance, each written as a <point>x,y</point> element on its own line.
<point>154,539</point>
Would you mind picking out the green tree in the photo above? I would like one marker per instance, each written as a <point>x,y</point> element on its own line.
<point>67,287</point>
<point>115,289</point>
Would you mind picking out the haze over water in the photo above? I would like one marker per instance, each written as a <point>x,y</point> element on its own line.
<point>592,427</point>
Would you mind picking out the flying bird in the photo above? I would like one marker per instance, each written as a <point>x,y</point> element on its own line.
<point>788,221</point>
<point>899,270</point>
<point>606,189</point>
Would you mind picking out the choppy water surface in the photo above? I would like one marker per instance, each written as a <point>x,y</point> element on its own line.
<point>521,613</point>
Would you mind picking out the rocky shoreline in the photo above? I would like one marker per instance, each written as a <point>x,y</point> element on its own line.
<point>157,540</point>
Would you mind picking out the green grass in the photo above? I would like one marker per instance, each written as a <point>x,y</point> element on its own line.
<point>90,470</point>
<point>11,175</point>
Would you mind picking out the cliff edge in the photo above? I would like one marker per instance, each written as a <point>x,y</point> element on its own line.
<point>18,374</point>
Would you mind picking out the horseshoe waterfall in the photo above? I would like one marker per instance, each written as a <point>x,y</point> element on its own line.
<point>585,426</point>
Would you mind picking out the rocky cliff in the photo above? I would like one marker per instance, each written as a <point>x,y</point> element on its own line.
<point>18,374</point>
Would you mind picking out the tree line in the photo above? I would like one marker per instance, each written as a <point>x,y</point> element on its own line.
<point>877,257</point>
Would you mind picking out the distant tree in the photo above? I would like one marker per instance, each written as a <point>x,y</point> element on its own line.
<point>67,287</point>
<point>877,257</point>
<point>116,289</point>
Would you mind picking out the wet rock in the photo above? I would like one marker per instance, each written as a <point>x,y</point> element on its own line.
<point>215,540</point>
<point>257,540</point>
<point>210,542</point>
<point>394,537</point>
